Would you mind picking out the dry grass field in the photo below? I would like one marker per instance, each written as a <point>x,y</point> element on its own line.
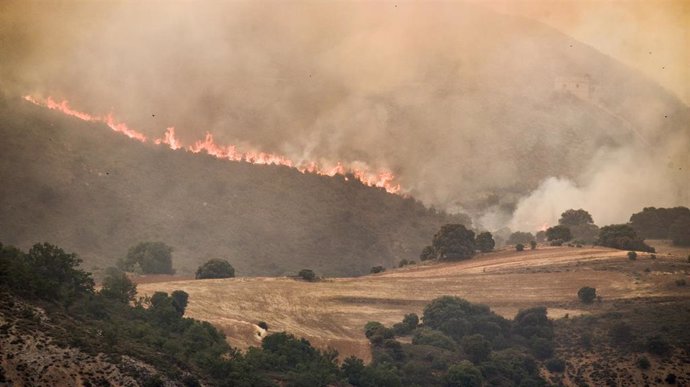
<point>332,312</point>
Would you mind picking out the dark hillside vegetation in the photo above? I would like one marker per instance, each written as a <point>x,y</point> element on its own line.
<point>83,187</point>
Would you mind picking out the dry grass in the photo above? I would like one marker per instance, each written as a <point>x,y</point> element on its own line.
<point>332,312</point>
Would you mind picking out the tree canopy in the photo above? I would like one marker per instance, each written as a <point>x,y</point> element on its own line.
<point>679,232</point>
<point>485,242</point>
<point>454,241</point>
<point>559,233</point>
<point>117,286</point>
<point>151,257</point>
<point>575,218</point>
<point>622,237</point>
<point>520,237</point>
<point>215,268</point>
<point>655,223</point>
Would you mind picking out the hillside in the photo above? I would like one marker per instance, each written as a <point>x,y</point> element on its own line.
<point>333,312</point>
<point>81,186</point>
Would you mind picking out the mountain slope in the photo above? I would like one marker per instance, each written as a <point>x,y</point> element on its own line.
<point>92,191</point>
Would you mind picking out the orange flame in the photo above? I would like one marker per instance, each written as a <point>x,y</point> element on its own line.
<point>383,179</point>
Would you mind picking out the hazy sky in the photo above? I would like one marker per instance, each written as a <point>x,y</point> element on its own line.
<point>652,36</point>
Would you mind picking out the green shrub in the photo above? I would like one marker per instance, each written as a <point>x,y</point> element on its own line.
<point>519,247</point>
<point>464,374</point>
<point>643,363</point>
<point>587,294</point>
<point>632,255</point>
<point>377,269</point>
<point>485,242</point>
<point>555,365</point>
<point>532,245</point>
<point>307,275</point>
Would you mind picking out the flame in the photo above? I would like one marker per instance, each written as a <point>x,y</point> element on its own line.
<point>382,179</point>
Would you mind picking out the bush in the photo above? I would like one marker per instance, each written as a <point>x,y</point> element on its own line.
<point>485,242</point>
<point>541,348</point>
<point>657,345</point>
<point>427,253</point>
<point>555,365</point>
<point>426,336</point>
<point>632,255</point>
<point>587,294</point>
<point>454,241</point>
<point>681,282</point>
<point>377,269</point>
<point>263,325</point>
<point>215,268</point>
<point>557,242</point>
<point>643,363</point>
<point>519,247</point>
<point>307,275</point>
<point>152,257</point>
<point>532,245</point>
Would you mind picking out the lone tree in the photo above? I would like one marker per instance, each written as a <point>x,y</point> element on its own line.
<point>152,257</point>
<point>622,237</point>
<point>587,294</point>
<point>558,233</point>
<point>454,241</point>
<point>485,242</point>
<point>215,268</point>
<point>117,286</point>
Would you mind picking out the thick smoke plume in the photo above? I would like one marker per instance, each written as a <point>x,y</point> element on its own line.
<point>496,115</point>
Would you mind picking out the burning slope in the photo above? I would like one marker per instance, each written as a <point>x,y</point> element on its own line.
<point>383,179</point>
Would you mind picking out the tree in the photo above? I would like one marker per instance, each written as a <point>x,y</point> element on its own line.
<point>519,247</point>
<point>476,347</point>
<point>558,233</point>
<point>622,237</point>
<point>179,301</point>
<point>215,268</point>
<point>454,241</point>
<point>655,223</point>
<point>377,269</point>
<point>540,236</point>
<point>55,274</point>
<point>117,286</point>
<point>587,294</point>
<point>152,257</point>
<point>464,374</point>
<point>520,237</point>
<point>679,232</point>
<point>632,255</point>
<point>532,245</point>
<point>307,274</point>
<point>485,242</point>
<point>575,218</point>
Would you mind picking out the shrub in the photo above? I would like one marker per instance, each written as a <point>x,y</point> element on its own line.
<point>307,274</point>
<point>377,269</point>
<point>263,325</point>
<point>652,256</point>
<point>215,268</point>
<point>557,242</point>
<point>555,365</point>
<point>427,253</point>
<point>670,379</point>
<point>541,348</point>
<point>657,345</point>
<point>403,263</point>
<point>520,237</point>
<point>519,247</point>
<point>532,245</point>
<point>587,294</point>
<point>632,255</point>
<point>681,282</point>
<point>643,363</point>
<point>426,336</point>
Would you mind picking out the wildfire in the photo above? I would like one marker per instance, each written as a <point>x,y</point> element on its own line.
<point>382,179</point>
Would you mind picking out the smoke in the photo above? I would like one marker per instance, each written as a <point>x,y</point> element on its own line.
<point>462,103</point>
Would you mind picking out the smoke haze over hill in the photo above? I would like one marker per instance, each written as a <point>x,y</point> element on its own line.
<point>496,115</point>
